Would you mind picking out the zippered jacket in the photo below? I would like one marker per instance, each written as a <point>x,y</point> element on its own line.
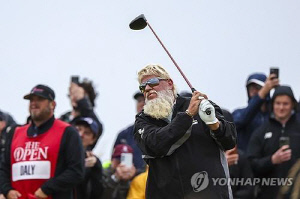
<point>264,143</point>
<point>184,155</point>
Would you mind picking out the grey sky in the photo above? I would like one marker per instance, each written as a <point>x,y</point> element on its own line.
<point>217,43</point>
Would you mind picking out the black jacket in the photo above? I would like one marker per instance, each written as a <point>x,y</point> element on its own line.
<point>91,187</point>
<point>241,171</point>
<point>85,108</point>
<point>264,143</point>
<point>113,188</point>
<point>178,156</point>
<point>69,168</point>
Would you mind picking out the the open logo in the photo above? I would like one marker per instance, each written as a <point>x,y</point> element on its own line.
<point>199,181</point>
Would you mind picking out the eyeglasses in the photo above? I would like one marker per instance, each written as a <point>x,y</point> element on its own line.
<point>151,82</point>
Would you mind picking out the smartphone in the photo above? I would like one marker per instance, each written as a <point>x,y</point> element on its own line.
<point>126,159</point>
<point>274,70</point>
<point>75,79</point>
<point>284,140</point>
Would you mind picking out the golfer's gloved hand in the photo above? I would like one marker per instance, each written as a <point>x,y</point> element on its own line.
<point>207,112</point>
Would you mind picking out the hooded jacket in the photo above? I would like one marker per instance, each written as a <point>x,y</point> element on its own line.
<point>184,155</point>
<point>251,117</point>
<point>265,142</point>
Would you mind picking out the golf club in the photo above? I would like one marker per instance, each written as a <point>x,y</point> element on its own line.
<point>140,23</point>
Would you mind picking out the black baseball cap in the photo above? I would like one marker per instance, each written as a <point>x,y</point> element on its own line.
<point>41,91</point>
<point>137,95</point>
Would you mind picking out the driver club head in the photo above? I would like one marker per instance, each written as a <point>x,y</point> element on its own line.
<point>138,23</point>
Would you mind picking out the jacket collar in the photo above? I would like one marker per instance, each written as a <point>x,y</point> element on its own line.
<point>34,131</point>
<point>180,101</point>
<point>293,117</point>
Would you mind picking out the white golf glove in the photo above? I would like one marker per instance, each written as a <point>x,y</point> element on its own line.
<point>209,117</point>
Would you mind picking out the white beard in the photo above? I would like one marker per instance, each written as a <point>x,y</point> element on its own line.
<point>160,107</point>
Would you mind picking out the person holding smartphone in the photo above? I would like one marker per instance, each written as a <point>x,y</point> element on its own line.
<point>274,147</point>
<point>117,176</point>
<point>248,119</point>
<point>82,97</point>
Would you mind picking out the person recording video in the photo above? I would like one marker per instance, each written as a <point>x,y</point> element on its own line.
<point>82,97</point>
<point>274,147</point>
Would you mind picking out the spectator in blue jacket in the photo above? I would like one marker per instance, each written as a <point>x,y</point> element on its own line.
<point>126,136</point>
<point>256,113</point>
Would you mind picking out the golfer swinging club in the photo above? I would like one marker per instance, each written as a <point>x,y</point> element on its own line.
<point>182,144</point>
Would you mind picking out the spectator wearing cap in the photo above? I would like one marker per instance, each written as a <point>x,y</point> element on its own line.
<point>43,159</point>
<point>82,96</point>
<point>6,123</point>
<point>274,147</point>
<point>249,118</point>
<point>126,136</point>
<point>91,187</point>
<point>117,177</point>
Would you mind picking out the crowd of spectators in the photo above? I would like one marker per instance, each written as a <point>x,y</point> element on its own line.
<point>268,131</point>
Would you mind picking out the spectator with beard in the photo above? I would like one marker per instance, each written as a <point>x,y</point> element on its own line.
<point>182,140</point>
<point>43,159</point>
<point>82,96</point>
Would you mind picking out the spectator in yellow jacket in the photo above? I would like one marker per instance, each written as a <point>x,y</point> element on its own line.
<point>138,186</point>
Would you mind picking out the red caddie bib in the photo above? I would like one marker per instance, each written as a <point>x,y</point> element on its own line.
<point>33,159</point>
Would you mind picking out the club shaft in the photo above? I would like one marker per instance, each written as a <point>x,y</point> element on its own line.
<point>184,77</point>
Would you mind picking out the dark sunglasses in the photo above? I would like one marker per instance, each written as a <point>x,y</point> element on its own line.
<point>151,82</point>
